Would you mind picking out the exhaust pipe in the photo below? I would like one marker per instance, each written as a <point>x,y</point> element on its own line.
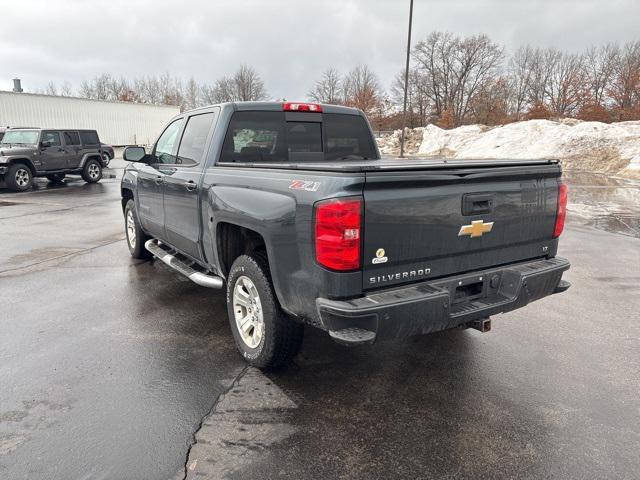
<point>483,325</point>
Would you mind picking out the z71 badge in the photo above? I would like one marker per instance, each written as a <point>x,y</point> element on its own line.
<point>307,186</point>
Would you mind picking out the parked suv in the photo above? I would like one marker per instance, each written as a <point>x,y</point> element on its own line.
<point>36,152</point>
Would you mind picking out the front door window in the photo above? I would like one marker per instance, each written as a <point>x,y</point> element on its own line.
<point>167,144</point>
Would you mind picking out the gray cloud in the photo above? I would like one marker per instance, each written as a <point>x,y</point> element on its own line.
<point>290,42</point>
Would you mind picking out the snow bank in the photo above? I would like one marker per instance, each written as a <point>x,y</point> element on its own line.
<point>390,144</point>
<point>589,146</point>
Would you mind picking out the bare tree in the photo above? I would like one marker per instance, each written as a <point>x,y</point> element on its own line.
<point>520,73</point>
<point>328,89</point>
<point>600,66</point>
<point>244,85</point>
<point>455,69</point>
<point>492,105</point>
<point>564,91</point>
<point>625,87</point>
<point>248,85</point>
<point>86,91</point>
<point>51,89</point>
<point>223,90</point>
<point>66,90</point>
<point>361,89</point>
<point>191,95</point>
<point>418,102</point>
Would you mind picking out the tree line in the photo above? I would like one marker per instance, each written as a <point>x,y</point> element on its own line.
<point>459,80</point>
<point>453,80</point>
<point>244,85</point>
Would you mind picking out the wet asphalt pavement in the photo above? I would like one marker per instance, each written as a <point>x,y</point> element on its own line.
<point>111,368</point>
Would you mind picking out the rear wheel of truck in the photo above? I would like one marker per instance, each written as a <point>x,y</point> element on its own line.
<point>136,238</point>
<point>92,171</point>
<point>265,335</point>
<point>19,178</point>
<point>56,177</point>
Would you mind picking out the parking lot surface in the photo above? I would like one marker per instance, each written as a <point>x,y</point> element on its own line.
<point>114,368</point>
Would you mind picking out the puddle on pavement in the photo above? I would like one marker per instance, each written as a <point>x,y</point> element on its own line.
<point>603,202</point>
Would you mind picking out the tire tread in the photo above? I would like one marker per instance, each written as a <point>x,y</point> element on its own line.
<point>287,337</point>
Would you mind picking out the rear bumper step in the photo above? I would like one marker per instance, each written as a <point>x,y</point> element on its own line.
<point>202,279</point>
<point>437,305</point>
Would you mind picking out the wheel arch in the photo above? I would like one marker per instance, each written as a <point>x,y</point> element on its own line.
<point>90,156</point>
<point>233,240</point>
<point>25,161</point>
<point>126,194</point>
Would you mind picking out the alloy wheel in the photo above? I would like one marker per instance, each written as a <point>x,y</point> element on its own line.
<point>131,229</point>
<point>248,312</point>
<point>22,177</point>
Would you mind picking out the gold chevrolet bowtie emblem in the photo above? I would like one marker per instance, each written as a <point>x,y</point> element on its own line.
<point>476,229</point>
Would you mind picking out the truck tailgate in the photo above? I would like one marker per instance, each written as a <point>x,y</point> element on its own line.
<point>428,224</point>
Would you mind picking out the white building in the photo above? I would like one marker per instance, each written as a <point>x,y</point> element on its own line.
<point>117,123</point>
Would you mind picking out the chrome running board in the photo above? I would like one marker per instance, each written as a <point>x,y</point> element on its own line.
<point>210,281</point>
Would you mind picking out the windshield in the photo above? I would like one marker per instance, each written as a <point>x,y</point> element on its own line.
<point>21,137</point>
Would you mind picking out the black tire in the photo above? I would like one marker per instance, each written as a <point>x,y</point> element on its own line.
<point>18,177</point>
<point>92,171</point>
<point>56,177</point>
<point>136,246</point>
<point>281,337</point>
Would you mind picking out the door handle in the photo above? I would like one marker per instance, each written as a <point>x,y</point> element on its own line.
<point>191,185</point>
<point>159,180</point>
<point>477,203</point>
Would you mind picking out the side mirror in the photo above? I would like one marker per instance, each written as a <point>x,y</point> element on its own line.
<point>134,154</point>
<point>45,144</point>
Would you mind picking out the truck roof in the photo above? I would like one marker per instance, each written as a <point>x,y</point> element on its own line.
<point>277,107</point>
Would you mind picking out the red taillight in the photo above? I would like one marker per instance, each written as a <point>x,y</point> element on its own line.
<point>301,107</point>
<point>562,210</point>
<point>337,234</point>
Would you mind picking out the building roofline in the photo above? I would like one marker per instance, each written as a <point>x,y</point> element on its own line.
<point>86,99</point>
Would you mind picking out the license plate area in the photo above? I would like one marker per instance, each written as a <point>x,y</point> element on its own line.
<point>467,289</point>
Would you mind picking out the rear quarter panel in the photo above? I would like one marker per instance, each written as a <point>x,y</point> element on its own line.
<point>268,202</point>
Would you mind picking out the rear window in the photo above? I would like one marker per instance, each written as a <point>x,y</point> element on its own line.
<point>89,138</point>
<point>274,137</point>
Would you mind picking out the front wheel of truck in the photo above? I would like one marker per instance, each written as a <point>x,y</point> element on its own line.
<point>135,236</point>
<point>265,335</point>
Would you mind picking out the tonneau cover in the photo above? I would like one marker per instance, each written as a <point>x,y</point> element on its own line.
<point>392,164</point>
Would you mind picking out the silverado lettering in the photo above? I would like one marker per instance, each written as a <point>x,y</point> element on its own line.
<point>400,276</point>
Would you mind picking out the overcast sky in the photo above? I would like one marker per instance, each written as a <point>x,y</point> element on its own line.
<point>289,42</point>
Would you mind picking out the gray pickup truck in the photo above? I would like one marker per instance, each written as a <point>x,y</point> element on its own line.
<point>290,207</point>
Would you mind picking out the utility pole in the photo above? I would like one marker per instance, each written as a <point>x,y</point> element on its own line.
<point>406,80</point>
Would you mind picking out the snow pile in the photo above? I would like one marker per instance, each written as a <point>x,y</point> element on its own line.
<point>390,144</point>
<point>588,146</point>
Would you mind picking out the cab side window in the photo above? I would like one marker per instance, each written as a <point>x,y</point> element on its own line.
<point>71,138</point>
<point>89,137</point>
<point>52,138</point>
<point>194,139</point>
<point>167,144</point>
